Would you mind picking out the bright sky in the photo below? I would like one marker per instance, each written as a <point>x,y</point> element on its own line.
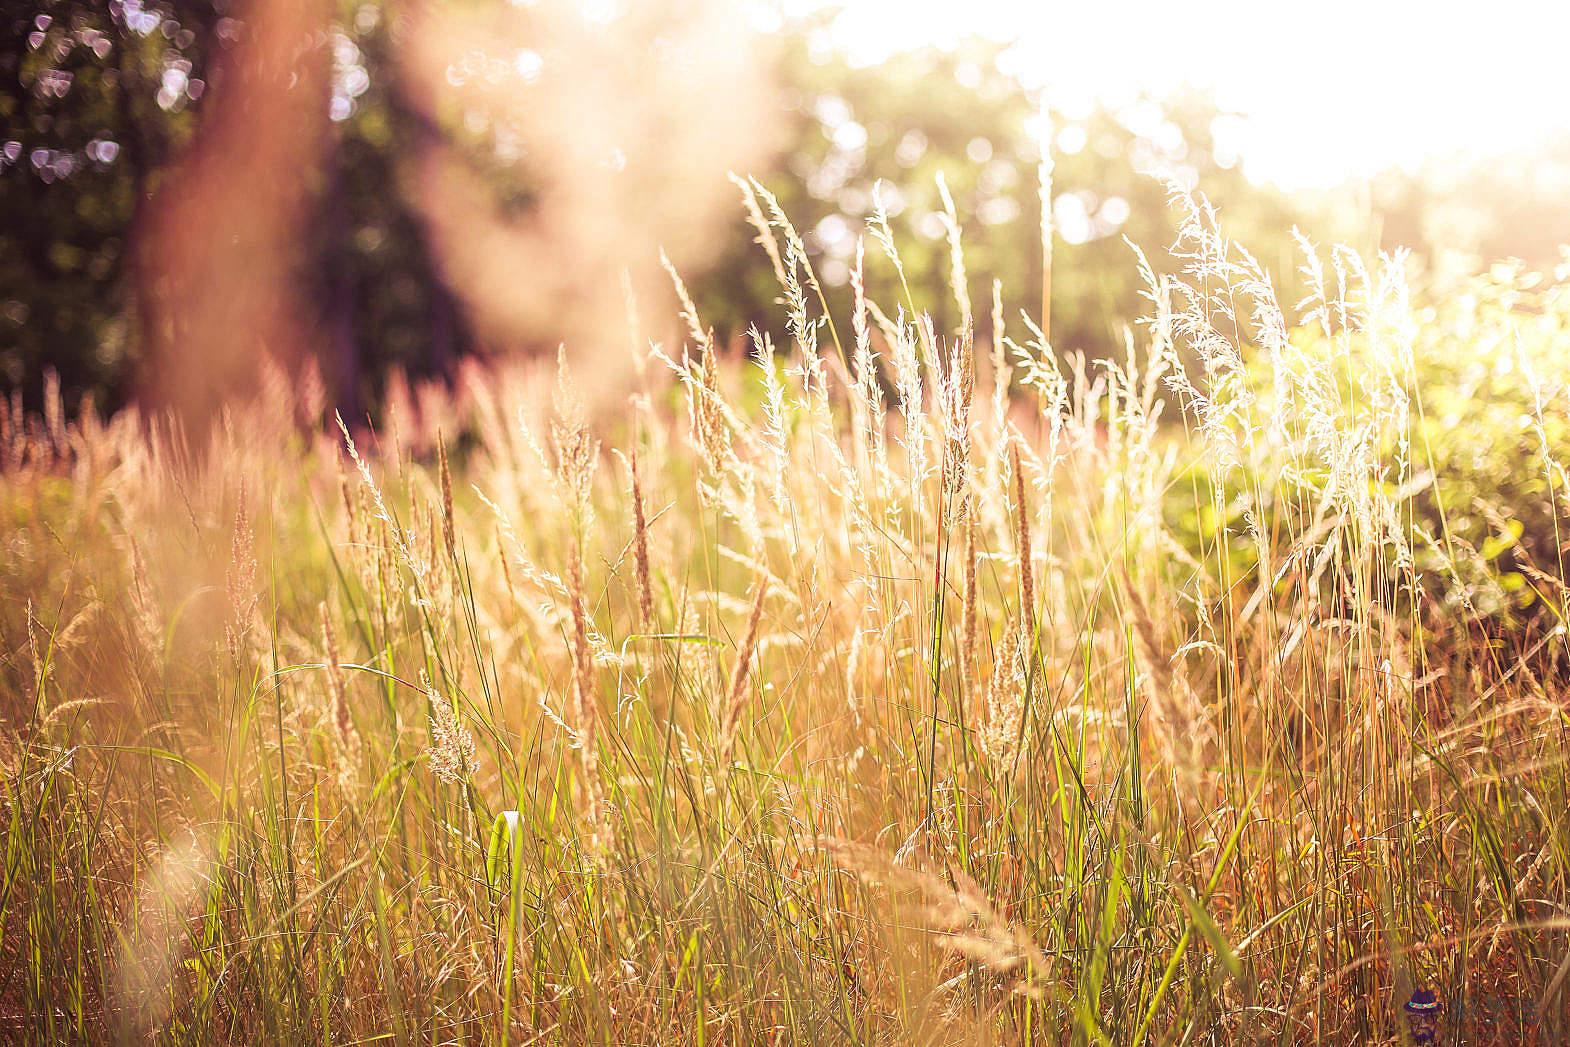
<point>1332,88</point>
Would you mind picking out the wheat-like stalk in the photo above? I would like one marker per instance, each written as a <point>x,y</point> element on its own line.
<point>736,693</point>
<point>452,751</point>
<point>1195,770</point>
<point>640,544</point>
<point>1027,580</point>
<point>338,690</point>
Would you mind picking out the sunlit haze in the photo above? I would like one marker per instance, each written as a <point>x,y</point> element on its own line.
<point>1331,90</point>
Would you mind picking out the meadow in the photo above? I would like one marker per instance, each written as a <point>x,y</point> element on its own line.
<point>881,685</point>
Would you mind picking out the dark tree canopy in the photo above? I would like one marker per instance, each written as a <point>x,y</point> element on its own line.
<point>95,99</point>
<point>99,101</point>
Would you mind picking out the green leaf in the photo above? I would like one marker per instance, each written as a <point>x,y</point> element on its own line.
<point>164,754</point>
<point>1211,932</point>
<point>503,850</point>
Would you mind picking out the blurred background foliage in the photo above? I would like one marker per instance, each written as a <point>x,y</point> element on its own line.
<point>98,100</point>
<point>952,113</point>
<point>95,101</point>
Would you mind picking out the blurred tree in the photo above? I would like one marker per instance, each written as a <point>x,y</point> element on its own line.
<point>95,98</point>
<point>99,100</point>
<point>219,252</point>
<point>1458,212</point>
<point>390,305</point>
<point>955,112</point>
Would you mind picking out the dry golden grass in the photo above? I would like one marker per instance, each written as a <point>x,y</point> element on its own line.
<point>888,694</point>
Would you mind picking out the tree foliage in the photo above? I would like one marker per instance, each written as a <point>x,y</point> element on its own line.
<point>100,100</point>
<point>953,113</point>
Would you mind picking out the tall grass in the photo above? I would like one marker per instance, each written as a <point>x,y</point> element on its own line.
<point>928,687</point>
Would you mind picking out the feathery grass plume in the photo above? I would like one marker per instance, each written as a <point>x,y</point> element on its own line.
<point>444,474</point>
<point>702,337</point>
<point>1027,581</point>
<point>931,353</point>
<point>760,225</point>
<point>911,398</point>
<point>998,735</point>
<point>350,500</point>
<point>955,911</point>
<point>958,282</point>
<point>706,409</point>
<point>240,581</point>
<point>145,613</point>
<point>888,328</point>
<point>853,672</point>
<point>955,393</point>
<point>75,631</point>
<point>1002,373</point>
<point>1181,727</point>
<point>452,750</point>
<point>577,451</point>
<point>878,225</point>
<point>584,708</point>
<point>969,624</point>
<point>640,544</point>
<point>1208,322</point>
<point>577,457</point>
<point>338,690</point>
<point>35,657</point>
<point>501,550</point>
<point>796,256</point>
<point>736,489</point>
<point>728,481</point>
<point>868,407</point>
<point>736,693</point>
<point>774,438</point>
<point>963,361</point>
<point>391,539</point>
